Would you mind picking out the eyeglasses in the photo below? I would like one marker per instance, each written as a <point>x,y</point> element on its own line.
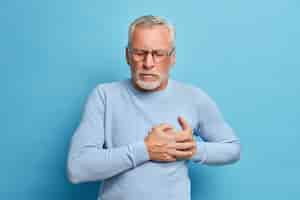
<point>157,55</point>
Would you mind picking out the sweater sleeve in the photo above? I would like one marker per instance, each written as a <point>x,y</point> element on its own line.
<point>217,144</point>
<point>88,160</point>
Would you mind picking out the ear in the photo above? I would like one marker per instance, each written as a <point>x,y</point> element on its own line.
<point>173,58</point>
<point>127,56</point>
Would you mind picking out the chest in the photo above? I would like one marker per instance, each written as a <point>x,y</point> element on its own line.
<point>128,122</point>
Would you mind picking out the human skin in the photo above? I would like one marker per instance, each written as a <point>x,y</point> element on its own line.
<point>163,144</point>
<point>151,38</point>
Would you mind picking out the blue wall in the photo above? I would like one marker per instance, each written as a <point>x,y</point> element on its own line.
<point>245,54</point>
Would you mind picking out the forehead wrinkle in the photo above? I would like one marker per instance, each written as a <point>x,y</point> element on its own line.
<point>146,37</point>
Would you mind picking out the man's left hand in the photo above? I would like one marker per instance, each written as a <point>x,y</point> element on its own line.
<point>185,146</point>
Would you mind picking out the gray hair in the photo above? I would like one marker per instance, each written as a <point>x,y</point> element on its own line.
<point>150,21</point>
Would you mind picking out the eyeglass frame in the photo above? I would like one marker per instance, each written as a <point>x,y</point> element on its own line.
<point>152,52</point>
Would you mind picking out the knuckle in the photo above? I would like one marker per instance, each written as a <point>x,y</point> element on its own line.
<point>165,156</point>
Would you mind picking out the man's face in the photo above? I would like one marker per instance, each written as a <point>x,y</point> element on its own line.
<point>150,71</point>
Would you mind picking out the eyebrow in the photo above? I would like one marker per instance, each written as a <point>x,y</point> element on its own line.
<point>137,49</point>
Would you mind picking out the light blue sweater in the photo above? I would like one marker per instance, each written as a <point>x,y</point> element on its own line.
<point>108,145</point>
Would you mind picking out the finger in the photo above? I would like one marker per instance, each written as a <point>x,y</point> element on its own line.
<point>183,137</point>
<point>171,130</point>
<point>180,153</point>
<point>169,158</point>
<point>185,145</point>
<point>163,127</point>
<point>170,133</point>
<point>183,123</point>
<point>193,150</point>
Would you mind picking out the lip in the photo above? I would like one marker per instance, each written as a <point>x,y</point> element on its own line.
<point>148,76</point>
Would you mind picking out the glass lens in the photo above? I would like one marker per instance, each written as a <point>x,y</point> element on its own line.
<point>157,55</point>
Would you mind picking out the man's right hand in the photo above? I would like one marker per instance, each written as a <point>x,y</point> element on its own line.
<point>159,142</point>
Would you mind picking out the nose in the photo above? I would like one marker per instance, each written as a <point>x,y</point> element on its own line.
<point>148,62</point>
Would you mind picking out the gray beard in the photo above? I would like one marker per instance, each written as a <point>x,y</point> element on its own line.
<point>149,85</point>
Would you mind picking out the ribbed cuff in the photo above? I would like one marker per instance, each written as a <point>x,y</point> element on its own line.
<point>200,155</point>
<point>139,153</point>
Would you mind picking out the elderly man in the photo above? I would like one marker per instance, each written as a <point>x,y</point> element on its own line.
<point>137,135</point>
